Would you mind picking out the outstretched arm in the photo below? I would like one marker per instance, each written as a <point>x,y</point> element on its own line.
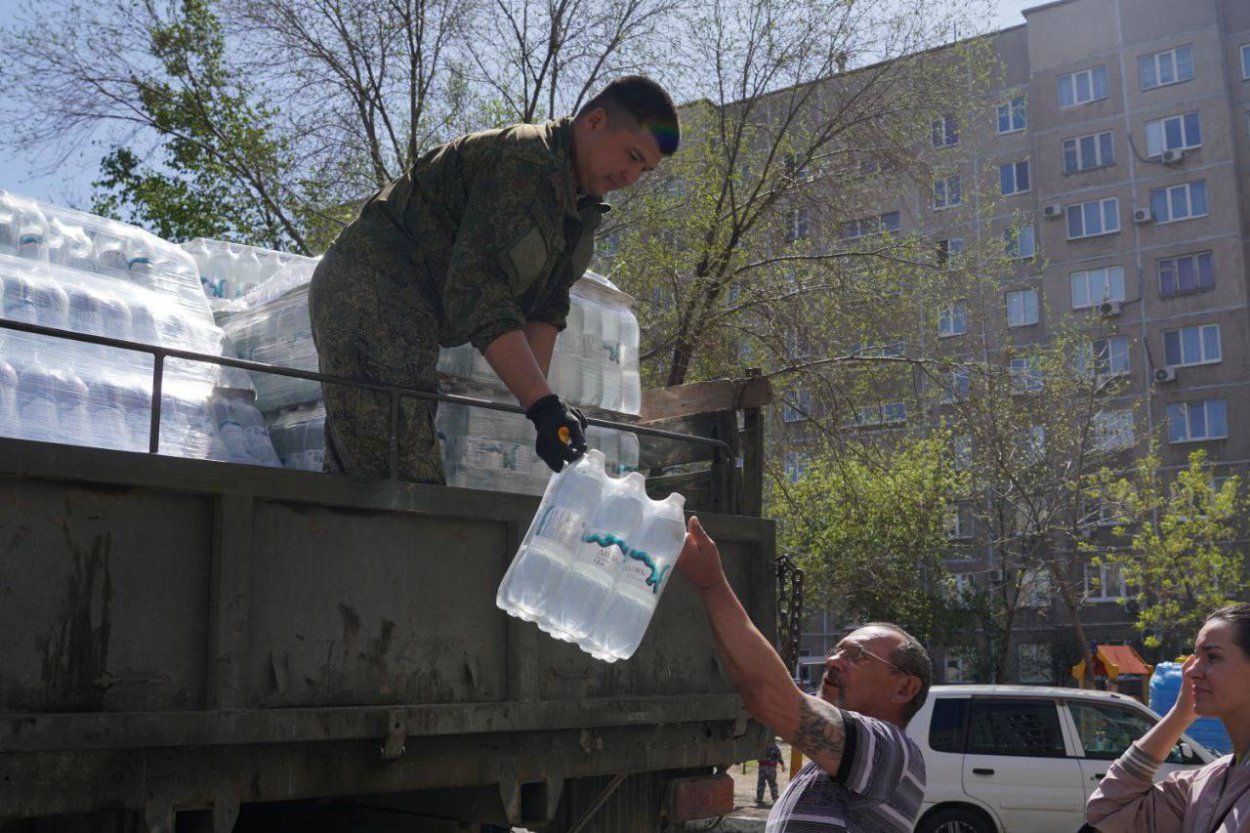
<point>767,690</point>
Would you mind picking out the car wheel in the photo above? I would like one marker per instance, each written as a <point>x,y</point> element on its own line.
<point>955,820</point>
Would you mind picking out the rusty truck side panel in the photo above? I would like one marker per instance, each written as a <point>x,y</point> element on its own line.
<point>179,634</point>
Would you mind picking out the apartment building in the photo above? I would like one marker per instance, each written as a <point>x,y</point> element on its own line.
<point>1120,136</point>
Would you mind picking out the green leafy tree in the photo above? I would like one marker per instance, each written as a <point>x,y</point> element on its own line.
<point>1183,552</point>
<point>869,530</point>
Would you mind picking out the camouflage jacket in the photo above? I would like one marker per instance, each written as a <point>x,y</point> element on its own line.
<point>486,231</point>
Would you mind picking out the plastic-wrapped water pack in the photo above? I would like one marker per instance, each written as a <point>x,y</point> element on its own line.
<point>595,560</point>
<point>72,271</point>
<point>279,333</point>
<point>231,271</point>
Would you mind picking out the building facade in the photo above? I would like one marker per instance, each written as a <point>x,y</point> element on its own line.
<point>1117,150</point>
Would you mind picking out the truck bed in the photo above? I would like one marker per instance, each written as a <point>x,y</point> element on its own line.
<point>180,634</point>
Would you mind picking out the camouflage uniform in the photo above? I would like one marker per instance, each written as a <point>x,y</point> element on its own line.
<point>478,237</point>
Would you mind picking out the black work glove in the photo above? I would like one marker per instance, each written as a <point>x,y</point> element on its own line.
<point>561,431</point>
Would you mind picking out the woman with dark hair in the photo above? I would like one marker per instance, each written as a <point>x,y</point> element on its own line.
<point>1215,798</point>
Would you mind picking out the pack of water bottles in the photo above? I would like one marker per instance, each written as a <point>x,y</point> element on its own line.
<point>72,271</point>
<point>595,560</point>
<point>277,331</point>
<point>595,361</point>
<point>234,271</point>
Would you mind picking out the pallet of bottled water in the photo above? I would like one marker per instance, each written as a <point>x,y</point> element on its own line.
<point>595,560</point>
<point>71,271</point>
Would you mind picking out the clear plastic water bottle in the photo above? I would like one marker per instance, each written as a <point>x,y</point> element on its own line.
<point>554,537</point>
<point>32,239</point>
<point>592,356</point>
<point>36,402</point>
<point>314,441</point>
<point>74,249</point>
<point>109,428</point>
<point>136,401</point>
<point>86,312</point>
<point>73,417</point>
<point>142,324</point>
<point>51,303</point>
<point>10,425</point>
<point>631,380</point>
<point>19,304</point>
<point>256,434</point>
<point>230,430</point>
<point>110,254</point>
<point>577,601</point>
<point>651,554</point>
<point>8,225</point>
<point>611,355</point>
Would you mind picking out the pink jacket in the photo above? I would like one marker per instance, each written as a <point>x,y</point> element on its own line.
<point>1213,799</point>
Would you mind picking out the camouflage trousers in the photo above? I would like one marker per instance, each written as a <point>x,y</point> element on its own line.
<point>362,336</point>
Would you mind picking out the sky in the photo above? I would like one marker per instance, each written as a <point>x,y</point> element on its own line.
<point>71,182</point>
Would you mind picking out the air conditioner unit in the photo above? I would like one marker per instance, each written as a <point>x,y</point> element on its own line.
<point>1110,309</point>
<point>1172,157</point>
<point>1142,215</point>
<point>1163,375</point>
<point>995,576</point>
<point>1052,211</point>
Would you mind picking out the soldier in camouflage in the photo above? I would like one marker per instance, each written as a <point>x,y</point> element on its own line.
<point>479,241</point>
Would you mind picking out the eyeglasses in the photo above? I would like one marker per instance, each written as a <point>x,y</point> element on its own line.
<point>856,654</point>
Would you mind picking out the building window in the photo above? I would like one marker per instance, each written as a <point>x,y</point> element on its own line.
<point>959,387</point>
<point>958,522</point>
<point>798,225</point>
<point>948,248</point>
<point>1103,583</point>
<point>1179,202</point>
<point>1013,115</point>
<point>1245,62</point>
<point>879,224</point>
<point>1019,242</point>
<point>1187,273</point>
<point>796,464</point>
<point>946,192</point>
<point>959,658</point>
<point>1026,375</point>
<point>1035,666</point>
<point>1181,132</point>
<point>878,350</point>
<point>796,406</point>
<point>1083,153</point>
<point>1022,307</point>
<point>1113,429</point>
<point>888,413</point>
<point>1082,87</point>
<point>945,131</point>
<point>953,319</point>
<point>1190,422</point>
<point>961,452</point>
<point>1163,68</point>
<point>1105,357</point>
<point>1036,591</point>
<point>1091,219</point>
<point>1192,345</point>
<point>1094,286</point>
<point>1013,178</point>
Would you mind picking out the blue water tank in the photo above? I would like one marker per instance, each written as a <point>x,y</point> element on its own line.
<point>1165,687</point>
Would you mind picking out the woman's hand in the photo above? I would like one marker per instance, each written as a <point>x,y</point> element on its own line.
<point>1184,706</point>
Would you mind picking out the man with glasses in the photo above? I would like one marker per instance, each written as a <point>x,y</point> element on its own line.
<point>864,774</point>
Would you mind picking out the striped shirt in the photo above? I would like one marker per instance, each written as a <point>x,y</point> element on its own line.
<point>877,789</point>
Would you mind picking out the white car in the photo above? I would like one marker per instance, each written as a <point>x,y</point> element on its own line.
<point>1024,759</point>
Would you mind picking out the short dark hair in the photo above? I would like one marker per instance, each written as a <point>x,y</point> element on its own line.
<point>912,658</point>
<point>646,102</point>
<point>1237,615</point>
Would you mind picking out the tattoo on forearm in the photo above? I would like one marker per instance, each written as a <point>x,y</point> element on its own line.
<point>821,730</point>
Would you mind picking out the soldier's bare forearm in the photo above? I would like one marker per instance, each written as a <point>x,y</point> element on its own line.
<point>514,362</point>
<point>542,340</point>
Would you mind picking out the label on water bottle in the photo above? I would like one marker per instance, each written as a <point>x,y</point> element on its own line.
<point>564,526</point>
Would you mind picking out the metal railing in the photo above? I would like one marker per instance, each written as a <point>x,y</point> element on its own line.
<point>161,354</point>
